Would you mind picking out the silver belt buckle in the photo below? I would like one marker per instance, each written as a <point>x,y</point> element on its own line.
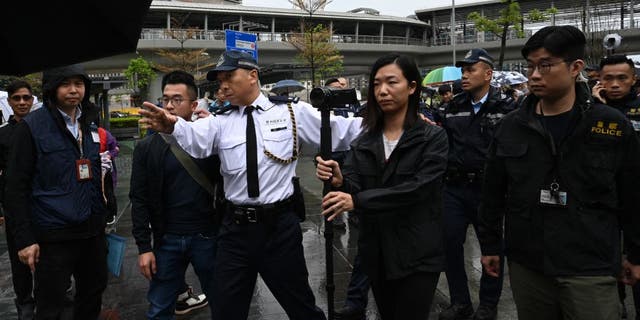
<point>252,215</point>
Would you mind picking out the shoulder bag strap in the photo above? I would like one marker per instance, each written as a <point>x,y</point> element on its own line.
<point>188,164</point>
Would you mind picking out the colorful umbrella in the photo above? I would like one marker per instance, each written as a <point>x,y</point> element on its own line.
<point>443,74</point>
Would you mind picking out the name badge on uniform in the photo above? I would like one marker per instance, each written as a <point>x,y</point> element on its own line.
<point>95,136</point>
<point>553,196</point>
<point>83,170</point>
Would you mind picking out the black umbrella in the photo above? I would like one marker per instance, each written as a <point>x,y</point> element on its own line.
<point>287,86</point>
<point>38,35</point>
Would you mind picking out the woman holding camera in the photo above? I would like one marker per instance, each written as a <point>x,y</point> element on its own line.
<point>393,177</point>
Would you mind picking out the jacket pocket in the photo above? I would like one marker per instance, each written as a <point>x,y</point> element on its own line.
<point>232,155</point>
<point>278,143</point>
<point>57,166</point>
<point>519,175</point>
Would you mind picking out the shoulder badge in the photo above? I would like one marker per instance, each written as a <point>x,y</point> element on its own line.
<point>283,99</point>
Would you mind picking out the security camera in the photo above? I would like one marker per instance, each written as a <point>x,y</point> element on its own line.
<point>612,41</point>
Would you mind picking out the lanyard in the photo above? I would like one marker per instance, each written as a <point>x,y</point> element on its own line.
<point>554,187</point>
<point>80,141</point>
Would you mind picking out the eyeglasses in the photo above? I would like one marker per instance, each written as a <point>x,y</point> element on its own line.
<point>543,67</point>
<point>25,97</point>
<point>175,100</point>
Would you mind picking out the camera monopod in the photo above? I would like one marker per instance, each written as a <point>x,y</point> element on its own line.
<point>325,99</point>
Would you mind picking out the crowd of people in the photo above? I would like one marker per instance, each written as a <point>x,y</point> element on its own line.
<point>544,173</point>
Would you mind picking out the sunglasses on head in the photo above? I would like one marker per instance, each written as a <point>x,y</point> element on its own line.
<point>25,97</point>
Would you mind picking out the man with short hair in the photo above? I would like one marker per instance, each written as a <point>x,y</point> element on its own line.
<point>170,203</point>
<point>470,120</point>
<point>593,75</point>
<point>445,93</point>
<point>20,98</point>
<point>54,202</point>
<point>617,87</point>
<point>258,147</point>
<point>560,183</point>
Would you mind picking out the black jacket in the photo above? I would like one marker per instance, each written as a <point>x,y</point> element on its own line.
<point>6,133</point>
<point>400,201</point>
<point>470,134</point>
<point>146,189</point>
<point>598,167</point>
<point>630,107</point>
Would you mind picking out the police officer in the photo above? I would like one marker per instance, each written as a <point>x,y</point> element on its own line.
<point>560,183</point>
<point>616,88</point>
<point>470,121</point>
<point>257,144</point>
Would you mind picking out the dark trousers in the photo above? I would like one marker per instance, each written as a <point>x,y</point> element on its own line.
<point>358,290</point>
<point>461,209</point>
<point>86,261</point>
<point>20,276</point>
<point>408,298</point>
<point>272,249</point>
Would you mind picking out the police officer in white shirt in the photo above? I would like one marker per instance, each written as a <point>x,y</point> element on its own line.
<point>258,145</point>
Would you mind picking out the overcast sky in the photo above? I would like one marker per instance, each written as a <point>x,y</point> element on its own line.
<point>401,8</point>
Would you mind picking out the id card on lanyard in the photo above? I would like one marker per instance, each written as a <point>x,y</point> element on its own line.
<point>83,166</point>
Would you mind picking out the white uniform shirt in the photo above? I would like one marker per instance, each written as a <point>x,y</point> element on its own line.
<point>225,135</point>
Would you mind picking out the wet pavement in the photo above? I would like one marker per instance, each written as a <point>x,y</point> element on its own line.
<point>126,295</point>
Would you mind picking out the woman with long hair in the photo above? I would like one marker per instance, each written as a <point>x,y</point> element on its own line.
<point>393,178</point>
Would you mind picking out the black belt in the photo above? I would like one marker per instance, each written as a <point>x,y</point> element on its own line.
<point>458,176</point>
<point>244,214</point>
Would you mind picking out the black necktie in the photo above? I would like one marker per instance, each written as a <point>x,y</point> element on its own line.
<point>252,156</point>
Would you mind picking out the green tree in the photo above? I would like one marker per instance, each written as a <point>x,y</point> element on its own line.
<point>510,17</point>
<point>317,51</point>
<point>308,42</point>
<point>140,73</point>
<point>189,60</point>
<point>34,79</point>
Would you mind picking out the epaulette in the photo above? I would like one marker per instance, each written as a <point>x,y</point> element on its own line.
<point>225,109</point>
<point>283,99</point>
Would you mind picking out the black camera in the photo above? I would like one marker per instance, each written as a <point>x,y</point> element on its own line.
<point>330,97</point>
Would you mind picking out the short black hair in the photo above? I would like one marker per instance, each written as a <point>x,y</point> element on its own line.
<point>442,89</point>
<point>181,77</point>
<point>617,59</point>
<point>592,67</point>
<point>567,42</point>
<point>17,85</point>
<point>330,81</point>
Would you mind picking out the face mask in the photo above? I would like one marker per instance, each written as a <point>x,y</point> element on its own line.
<point>519,93</point>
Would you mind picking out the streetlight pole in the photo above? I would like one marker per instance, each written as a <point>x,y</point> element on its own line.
<point>453,30</point>
<point>203,54</point>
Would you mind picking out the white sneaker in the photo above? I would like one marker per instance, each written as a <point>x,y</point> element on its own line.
<point>188,301</point>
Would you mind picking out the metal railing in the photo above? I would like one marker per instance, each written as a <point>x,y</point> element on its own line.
<point>443,39</point>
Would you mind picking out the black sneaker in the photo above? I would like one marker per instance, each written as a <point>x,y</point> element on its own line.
<point>485,312</point>
<point>456,312</point>
<point>188,301</point>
